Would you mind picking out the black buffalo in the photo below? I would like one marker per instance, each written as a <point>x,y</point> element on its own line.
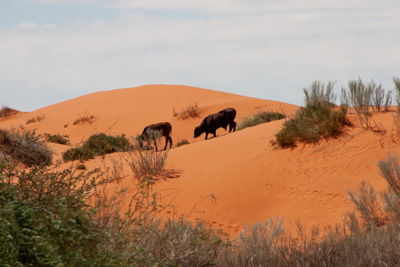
<point>212,122</point>
<point>148,134</point>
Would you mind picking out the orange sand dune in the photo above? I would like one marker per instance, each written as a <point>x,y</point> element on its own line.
<point>251,181</point>
<point>129,110</point>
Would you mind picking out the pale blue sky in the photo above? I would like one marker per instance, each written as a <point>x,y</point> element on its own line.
<point>55,50</point>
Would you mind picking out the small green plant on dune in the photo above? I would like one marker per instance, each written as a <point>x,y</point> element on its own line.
<point>258,118</point>
<point>318,119</point>
<point>190,111</point>
<point>25,147</point>
<point>57,138</point>
<point>97,145</point>
<point>36,119</point>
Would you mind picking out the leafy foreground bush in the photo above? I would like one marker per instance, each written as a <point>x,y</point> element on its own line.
<point>260,117</point>
<point>45,219</point>
<point>25,147</point>
<point>316,120</point>
<point>98,144</point>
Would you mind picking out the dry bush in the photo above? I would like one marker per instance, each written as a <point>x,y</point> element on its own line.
<point>367,203</point>
<point>396,81</point>
<point>257,245</point>
<point>25,147</point>
<point>145,162</point>
<point>377,212</point>
<point>390,171</point>
<point>182,142</point>
<point>268,244</point>
<point>190,111</point>
<point>36,119</point>
<point>365,97</point>
<point>6,111</point>
<point>85,119</point>
<point>388,101</point>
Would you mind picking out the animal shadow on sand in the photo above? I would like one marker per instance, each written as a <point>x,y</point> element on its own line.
<point>168,174</point>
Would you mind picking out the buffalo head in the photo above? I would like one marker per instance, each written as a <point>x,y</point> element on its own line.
<point>197,132</point>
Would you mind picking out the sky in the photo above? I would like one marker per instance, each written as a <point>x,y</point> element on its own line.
<point>55,50</point>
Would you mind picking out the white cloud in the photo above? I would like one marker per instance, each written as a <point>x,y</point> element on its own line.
<point>31,25</point>
<point>267,49</point>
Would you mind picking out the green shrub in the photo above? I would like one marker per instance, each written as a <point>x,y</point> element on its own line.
<point>45,219</point>
<point>25,147</point>
<point>78,153</point>
<point>258,118</point>
<point>98,144</point>
<point>316,120</point>
<point>56,138</point>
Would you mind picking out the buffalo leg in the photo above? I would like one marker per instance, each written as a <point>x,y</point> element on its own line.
<point>155,143</point>
<point>170,141</point>
<point>232,126</point>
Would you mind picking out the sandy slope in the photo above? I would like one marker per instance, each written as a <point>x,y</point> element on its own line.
<point>250,180</point>
<point>129,110</point>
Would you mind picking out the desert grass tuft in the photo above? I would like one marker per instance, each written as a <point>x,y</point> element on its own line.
<point>85,119</point>
<point>260,117</point>
<point>182,142</point>
<point>145,163</point>
<point>36,119</point>
<point>190,111</point>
